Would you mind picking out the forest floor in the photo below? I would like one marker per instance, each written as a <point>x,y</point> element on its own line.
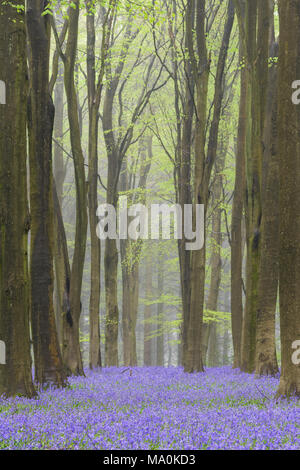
<point>153,408</point>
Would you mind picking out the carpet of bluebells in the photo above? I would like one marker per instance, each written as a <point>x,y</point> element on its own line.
<point>153,408</point>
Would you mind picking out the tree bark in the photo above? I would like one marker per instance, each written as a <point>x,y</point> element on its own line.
<point>59,177</point>
<point>147,315</point>
<point>203,162</point>
<point>216,241</point>
<point>71,348</point>
<point>160,313</point>
<point>266,361</point>
<point>131,254</point>
<point>236,226</point>
<point>47,355</point>
<point>289,170</point>
<point>257,29</point>
<point>15,374</point>
<point>94,103</point>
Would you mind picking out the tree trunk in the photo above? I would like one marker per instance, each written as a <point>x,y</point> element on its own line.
<point>15,374</point>
<point>47,355</point>
<point>213,346</point>
<point>71,352</point>
<point>160,313</point>
<point>203,163</point>
<point>257,28</point>
<point>236,226</point>
<point>147,315</point>
<point>184,196</point>
<point>111,255</point>
<point>266,361</point>
<point>94,103</point>
<point>289,170</point>
<point>216,241</point>
<point>59,177</point>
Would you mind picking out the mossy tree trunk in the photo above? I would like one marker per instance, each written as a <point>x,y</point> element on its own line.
<point>255,26</point>
<point>216,245</point>
<point>15,375</point>
<point>131,252</point>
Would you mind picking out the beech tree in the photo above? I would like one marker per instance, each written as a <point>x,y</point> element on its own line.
<point>289,161</point>
<point>47,356</point>
<point>15,374</point>
<point>204,161</point>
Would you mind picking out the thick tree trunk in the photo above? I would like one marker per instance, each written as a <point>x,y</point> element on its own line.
<point>47,356</point>
<point>15,374</point>
<point>266,361</point>
<point>257,28</point>
<point>289,170</point>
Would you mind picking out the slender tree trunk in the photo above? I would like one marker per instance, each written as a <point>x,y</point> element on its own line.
<point>213,346</point>
<point>129,314</point>
<point>95,353</point>
<point>225,360</point>
<point>59,177</point>
<point>289,170</point>
<point>147,316</point>
<point>205,340</point>
<point>160,313</point>
<point>184,196</point>
<point>112,309</point>
<point>111,255</point>
<point>15,374</point>
<point>130,289</point>
<point>71,352</point>
<point>131,254</point>
<point>193,355</point>
<point>47,356</point>
<point>236,227</point>
<point>216,241</point>
<point>203,163</point>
